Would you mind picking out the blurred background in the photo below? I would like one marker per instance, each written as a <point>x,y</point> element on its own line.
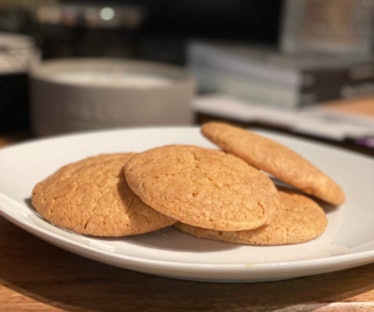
<point>171,32</point>
<point>155,30</point>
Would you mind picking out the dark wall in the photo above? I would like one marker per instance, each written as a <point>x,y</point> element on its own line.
<point>167,27</point>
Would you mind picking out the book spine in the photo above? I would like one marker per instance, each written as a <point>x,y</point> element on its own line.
<point>200,55</point>
<point>221,71</point>
<point>315,86</point>
<point>213,80</point>
<point>320,85</point>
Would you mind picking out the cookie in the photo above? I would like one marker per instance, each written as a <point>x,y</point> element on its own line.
<point>202,187</point>
<point>298,219</point>
<point>276,159</point>
<point>91,197</point>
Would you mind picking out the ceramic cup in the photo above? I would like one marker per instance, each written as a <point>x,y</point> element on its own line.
<point>70,95</point>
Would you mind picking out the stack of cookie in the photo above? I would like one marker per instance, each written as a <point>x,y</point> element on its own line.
<point>227,194</point>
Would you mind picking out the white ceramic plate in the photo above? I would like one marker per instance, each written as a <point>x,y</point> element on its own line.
<point>347,242</point>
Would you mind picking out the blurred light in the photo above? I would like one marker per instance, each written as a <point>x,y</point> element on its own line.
<point>106,13</point>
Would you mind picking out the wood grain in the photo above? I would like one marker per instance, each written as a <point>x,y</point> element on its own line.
<point>36,276</point>
<point>359,106</point>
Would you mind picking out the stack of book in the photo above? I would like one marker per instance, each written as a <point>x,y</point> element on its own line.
<point>264,75</point>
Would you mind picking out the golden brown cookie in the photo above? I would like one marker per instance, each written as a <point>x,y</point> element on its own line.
<point>91,197</point>
<point>276,159</point>
<point>202,187</point>
<point>299,219</point>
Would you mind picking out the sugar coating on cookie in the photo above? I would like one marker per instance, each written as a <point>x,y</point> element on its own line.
<point>202,187</point>
<point>91,197</point>
<point>299,219</point>
<point>276,159</point>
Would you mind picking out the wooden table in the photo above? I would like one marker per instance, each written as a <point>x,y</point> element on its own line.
<point>36,276</point>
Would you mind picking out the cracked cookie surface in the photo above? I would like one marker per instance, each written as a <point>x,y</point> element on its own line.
<point>276,159</point>
<point>298,219</point>
<point>202,187</point>
<point>91,197</point>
